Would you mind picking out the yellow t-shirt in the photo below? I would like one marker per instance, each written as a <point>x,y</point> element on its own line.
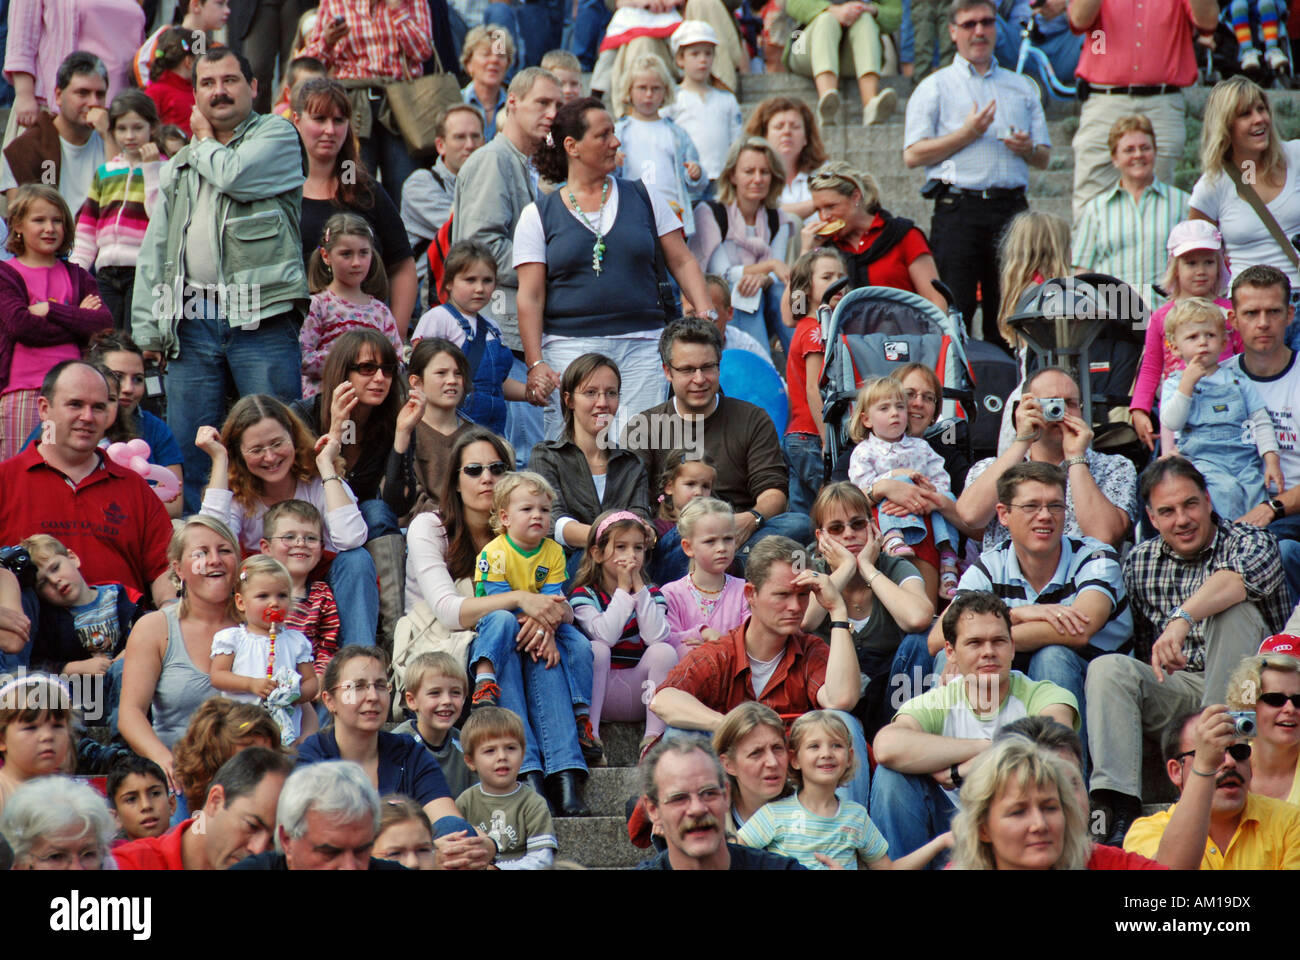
<point>504,566</point>
<point>1266,838</point>
<point>1293,797</point>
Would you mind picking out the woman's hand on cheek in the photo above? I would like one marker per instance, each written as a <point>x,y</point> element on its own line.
<point>835,553</point>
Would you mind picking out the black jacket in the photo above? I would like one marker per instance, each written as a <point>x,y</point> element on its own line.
<point>627,486</point>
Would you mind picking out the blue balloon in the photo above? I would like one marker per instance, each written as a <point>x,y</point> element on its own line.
<point>747,376</point>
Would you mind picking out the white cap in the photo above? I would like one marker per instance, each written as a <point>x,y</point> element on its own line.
<point>693,31</point>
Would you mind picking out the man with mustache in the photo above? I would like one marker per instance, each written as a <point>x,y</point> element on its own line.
<point>220,288</point>
<point>687,796</point>
<point>1235,829</point>
<point>1203,593</point>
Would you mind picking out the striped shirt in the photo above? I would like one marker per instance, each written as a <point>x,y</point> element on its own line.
<point>317,616</point>
<point>1125,238</point>
<point>112,221</point>
<point>788,828</point>
<point>940,105</point>
<point>381,41</point>
<point>1085,564</point>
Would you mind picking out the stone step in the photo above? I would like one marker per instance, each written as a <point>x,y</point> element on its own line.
<point>597,842</point>
<point>609,788</point>
<point>621,742</point>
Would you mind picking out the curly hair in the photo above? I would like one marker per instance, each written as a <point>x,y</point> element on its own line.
<point>813,154</point>
<point>248,412</point>
<point>571,120</point>
<point>218,730</point>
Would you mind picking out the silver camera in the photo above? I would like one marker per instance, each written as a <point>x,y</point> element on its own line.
<point>1243,722</point>
<point>1053,409</point>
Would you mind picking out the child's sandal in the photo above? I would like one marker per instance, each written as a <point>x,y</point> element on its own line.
<point>948,583</point>
<point>894,545</point>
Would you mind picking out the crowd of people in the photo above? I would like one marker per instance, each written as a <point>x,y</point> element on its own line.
<point>349,486</point>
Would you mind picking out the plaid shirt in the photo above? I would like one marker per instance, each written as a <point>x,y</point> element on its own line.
<point>1158,581</point>
<point>317,618</point>
<point>717,674</point>
<point>380,41</point>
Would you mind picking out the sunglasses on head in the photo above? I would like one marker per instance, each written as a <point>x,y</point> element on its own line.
<point>1276,699</point>
<point>496,468</point>
<point>836,527</point>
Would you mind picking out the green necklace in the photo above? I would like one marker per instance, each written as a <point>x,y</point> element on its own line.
<point>598,250</point>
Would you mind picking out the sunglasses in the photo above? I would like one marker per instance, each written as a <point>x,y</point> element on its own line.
<point>1279,699</point>
<point>370,369</point>
<point>496,468</point>
<point>1238,752</point>
<point>857,525</point>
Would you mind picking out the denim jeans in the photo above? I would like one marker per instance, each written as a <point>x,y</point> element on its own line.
<point>32,611</point>
<point>541,697</point>
<point>525,423</point>
<point>116,286</point>
<point>1287,531</point>
<point>1065,668</point>
<point>588,30</point>
<point>669,562</point>
<point>913,527</point>
<point>380,519</point>
<point>796,526</point>
<point>214,361</point>
<point>910,810</point>
<point>765,322</point>
<point>355,584</point>
<point>384,153</point>
<point>803,458</point>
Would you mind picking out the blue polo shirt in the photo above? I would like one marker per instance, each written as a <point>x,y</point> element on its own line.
<point>1086,564</point>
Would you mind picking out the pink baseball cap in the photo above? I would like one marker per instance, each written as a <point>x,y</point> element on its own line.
<point>1193,235</point>
<point>1283,643</point>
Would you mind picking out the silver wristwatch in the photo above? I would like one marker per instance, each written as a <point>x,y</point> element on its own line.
<point>1181,614</point>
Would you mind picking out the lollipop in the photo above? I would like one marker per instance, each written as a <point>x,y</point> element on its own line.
<point>272,617</point>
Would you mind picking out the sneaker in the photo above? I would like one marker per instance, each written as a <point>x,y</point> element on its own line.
<point>1277,61</point>
<point>879,107</point>
<point>1250,63</point>
<point>486,694</point>
<point>828,108</point>
<point>593,751</point>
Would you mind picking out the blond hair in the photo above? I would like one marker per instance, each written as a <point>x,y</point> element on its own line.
<point>650,63</point>
<point>1170,279</point>
<point>43,548</point>
<point>835,727</point>
<point>873,391</point>
<point>1247,681</point>
<point>727,189</point>
<point>1193,310</point>
<point>511,482</point>
<point>1034,243</point>
<point>488,34</point>
<point>176,549</point>
<point>488,723</point>
<point>697,510</point>
<point>561,60</point>
<point>1020,762</point>
<point>1227,100</point>
<point>839,176</point>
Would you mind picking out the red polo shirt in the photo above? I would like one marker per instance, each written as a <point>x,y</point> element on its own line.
<point>1139,43</point>
<point>112,519</point>
<point>153,853</point>
<point>717,674</point>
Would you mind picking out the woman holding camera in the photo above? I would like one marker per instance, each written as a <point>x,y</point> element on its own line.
<point>1269,684</point>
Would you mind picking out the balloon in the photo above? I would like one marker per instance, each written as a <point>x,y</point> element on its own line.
<point>134,456</point>
<point>747,376</point>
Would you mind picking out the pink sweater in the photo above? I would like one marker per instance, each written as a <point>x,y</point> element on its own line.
<point>686,619</point>
<point>1159,359</point>
<point>43,32</point>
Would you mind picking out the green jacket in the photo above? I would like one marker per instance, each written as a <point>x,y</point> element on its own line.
<point>259,175</point>
<point>889,16</point>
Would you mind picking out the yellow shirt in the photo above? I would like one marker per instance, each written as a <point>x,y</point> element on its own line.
<point>1294,796</point>
<point>1266,838</point>
<point>503,565</point>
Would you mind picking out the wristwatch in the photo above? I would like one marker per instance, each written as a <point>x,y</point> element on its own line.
<point>1279,511</point>
<point>758,517</point>
<point>957,778</point>
<point>1181,614</point>
<point>841,625</point>
<point>1073,460</point>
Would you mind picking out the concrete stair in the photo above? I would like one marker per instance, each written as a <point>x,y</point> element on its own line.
<point>600,841</point>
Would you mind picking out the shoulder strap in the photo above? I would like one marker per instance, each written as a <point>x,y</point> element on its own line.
<point>720,215</point>
<point>773,223</point>
<point>1247,193</point>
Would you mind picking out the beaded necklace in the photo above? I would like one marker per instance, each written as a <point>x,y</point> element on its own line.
<point>598,249</point>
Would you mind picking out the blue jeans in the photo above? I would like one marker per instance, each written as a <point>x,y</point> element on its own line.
<point>910,810</point>
<point>384,154</point>
<point>214,361</point>
<point>1287,531</point>
<point>541,697</point>
<point>444,826</point>
<point>32,611</point>
<point>913,527</point>
<point>588,30</point>
<point>1065,668</point>
<point>355,583</point>
<point>796,526</point>
<point>669,562</point>
<point>803,457</point>
<point>380,519</point>
<point>525,426</point>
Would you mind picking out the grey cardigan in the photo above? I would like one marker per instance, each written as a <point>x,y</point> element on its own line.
<point>627,486</point>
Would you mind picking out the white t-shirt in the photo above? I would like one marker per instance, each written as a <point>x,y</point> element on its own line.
<point>439,322</point>
<point>530,238</point>
<point>1281,395</point>
<point>760,672</point>
<point>713,121</point>
<point>1245,237</point>
<point>77,166</point>
<point>650,152</point>
<point>251,650</point>
<point>796,191</point>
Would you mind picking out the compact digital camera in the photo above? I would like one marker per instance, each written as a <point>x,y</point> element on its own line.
<point>1053,409</point>
<point>1243,722</point>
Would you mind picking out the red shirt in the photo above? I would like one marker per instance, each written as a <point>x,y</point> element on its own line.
<point>174,97</point>
<point>1113,858</point>
<point>891,269</point>
<point>807,339</point>
<point>1147,43</point>
<point>153,853</point>
<point>112,519</point>
<point>717,674</point>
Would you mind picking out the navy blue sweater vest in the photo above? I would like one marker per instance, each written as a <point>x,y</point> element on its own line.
<point>624,297</point>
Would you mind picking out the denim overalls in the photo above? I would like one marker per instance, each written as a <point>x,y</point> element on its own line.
<point>1218,440</point>
<point>489,363</point>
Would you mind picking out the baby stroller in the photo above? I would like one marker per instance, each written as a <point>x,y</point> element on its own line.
<point>874,331</point>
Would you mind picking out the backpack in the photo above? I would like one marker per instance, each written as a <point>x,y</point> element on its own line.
<point>437,255</point>
<point>720,215</point>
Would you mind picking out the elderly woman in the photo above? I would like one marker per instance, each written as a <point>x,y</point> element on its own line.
<point>750,742</point>
<point>1269,684</point>
<point>881,250</point>
<point>843,39</point>
<point>744,238</point>
<point>368,46</point>
<point>586,259</point>
<point>1019,811</point>
<point>485,56</point>
<point>441,550</point>
<point>589,474</point>
<point>886,597</point>
<point>1238,134</point>
<point>790,127</point>
<point>55,823</point>
<point>336,182</point>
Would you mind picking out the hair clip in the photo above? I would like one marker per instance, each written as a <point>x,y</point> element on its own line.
<point>661,498</point>
<point>243,575</point>
<point>327,236</point>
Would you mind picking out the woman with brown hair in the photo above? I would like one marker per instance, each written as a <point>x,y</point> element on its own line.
<point>337,181</point>
<point>750,742</point>
<point>264,454</point>
<point>218,730</point>
<point>790,127</point>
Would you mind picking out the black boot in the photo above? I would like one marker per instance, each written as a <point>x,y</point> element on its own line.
<point>565,790</point>
<point>1120,812</point>
<point>534,780</point>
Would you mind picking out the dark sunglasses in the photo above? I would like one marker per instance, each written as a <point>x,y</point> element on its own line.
<point>1279,699</point>
<point>1238,752</point>
<point>370,369</point>
<point>857,525</point>
<point>496,468</point>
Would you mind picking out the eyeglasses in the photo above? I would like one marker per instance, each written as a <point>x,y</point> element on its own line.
<point>1238,752</point>
<point>297,539</point>
<point>591,396</point>
<point>984,22</point>
<point>1056,508</point>
<point>856,524</point>
<point>358,688</point>
<point>62,859</point>
<point>496,468</point>
<point>708,369</point>
<point>929,398</point>
<point>1279,699</point>
<point>709,796</point>
<point>275,446</point>
<point>370,369</point>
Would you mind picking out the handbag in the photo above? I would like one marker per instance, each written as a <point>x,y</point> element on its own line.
<point>1247,193</point>
<point>413,104</point>
<point>419,631</point>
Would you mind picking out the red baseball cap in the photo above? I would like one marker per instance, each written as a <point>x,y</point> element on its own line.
<point>1283,643</point>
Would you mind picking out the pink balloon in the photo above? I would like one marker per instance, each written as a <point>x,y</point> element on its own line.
<point>134,456</point>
